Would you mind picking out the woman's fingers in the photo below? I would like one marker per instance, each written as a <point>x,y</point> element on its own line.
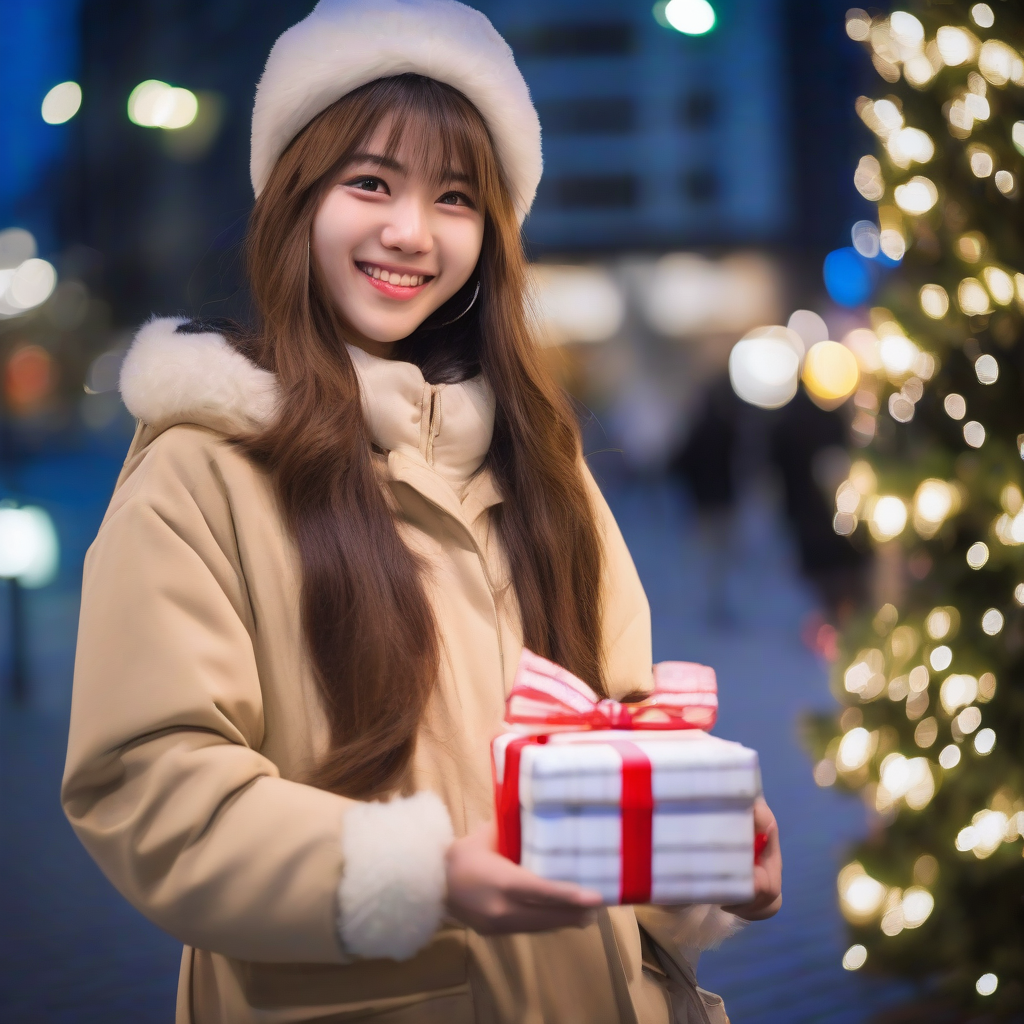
<point>527,888</point>
<point>768,870</point>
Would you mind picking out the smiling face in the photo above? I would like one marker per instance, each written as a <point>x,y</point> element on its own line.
<point>394,240</point>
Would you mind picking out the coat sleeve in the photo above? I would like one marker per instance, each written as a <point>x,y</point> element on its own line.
<point>626,615</point>
<point>165,784</point>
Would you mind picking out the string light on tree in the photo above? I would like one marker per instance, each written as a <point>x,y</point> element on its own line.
<point>924,733</point>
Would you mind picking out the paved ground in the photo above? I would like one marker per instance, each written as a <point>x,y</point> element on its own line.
<point>72,951</point>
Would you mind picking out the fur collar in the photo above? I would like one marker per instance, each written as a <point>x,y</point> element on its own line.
<point>169,377</point>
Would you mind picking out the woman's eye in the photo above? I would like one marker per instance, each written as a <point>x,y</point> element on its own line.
<point>455,199</point>
<point>367,184</point>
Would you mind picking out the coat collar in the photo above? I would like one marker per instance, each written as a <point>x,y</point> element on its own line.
<point>445,431</point>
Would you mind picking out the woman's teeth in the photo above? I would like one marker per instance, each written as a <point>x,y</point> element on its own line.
<point>393,277</point>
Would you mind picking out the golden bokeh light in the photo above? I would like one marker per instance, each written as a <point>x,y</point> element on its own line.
<point>1000,63</point>
<point>977,553</point>
<point>860,896</point>
<point>956,45</point>
<point>999,284</point>
<point>972,297</point>
<point>982,161</point>
<point>916,196</point>
<point>887,517</point>
<point>830,373</point>
<point>868,179</point>
<point>934,301</point>
<point>934,502</point>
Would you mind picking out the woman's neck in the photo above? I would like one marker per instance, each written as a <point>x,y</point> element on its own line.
<point>380,349</point>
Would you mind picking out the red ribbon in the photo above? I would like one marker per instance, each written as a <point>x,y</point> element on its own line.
<point>637,803</point>
<point>548,697</point>
<point>637,824</point>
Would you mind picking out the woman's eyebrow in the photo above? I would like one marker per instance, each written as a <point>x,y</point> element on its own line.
<point>378,159</point>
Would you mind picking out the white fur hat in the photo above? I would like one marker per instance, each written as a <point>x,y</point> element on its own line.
<point>344,44</point>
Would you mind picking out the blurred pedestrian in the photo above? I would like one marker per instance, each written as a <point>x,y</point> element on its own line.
<point>706,465</point>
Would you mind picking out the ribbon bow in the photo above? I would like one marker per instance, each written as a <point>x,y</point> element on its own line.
<point>547,698</point>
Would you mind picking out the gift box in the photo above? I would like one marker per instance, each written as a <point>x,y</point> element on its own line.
<point>636,801</point>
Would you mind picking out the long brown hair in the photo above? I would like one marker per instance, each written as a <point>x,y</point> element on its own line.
<point>366,618</point>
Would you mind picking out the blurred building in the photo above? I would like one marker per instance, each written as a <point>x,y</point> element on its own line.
<point>654,138</point>
<point>692,185</point>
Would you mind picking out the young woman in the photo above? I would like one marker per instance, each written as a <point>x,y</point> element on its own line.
<point>330,541</point>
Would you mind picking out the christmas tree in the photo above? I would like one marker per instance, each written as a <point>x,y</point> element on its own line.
<point>931,676</point>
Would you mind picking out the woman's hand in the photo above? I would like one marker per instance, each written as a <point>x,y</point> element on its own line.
<point>767,872</point>
<point>496,897</point>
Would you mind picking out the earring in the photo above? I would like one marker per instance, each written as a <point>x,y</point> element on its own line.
<point>448,323</point>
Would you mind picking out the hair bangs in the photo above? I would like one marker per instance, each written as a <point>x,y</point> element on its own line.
<point>433,127</point>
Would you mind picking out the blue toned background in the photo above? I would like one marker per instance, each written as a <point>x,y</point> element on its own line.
<point>734,149</point>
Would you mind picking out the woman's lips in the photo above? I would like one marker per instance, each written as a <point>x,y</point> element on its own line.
<point>393,288</point>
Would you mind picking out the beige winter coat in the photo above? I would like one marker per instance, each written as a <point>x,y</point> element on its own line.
<point>195,712</point>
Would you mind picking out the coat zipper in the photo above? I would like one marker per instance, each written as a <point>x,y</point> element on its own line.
<point>433,431</point>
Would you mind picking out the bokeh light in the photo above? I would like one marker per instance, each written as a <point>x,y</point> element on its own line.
<point>830,373</point>
<point>575,304</point>
<point>999,284</point>
<point>956,45</point>
<point>855,957</point>
<point>865,237</point>
<point>691,17</point>
<point>934,301</point>
<point>858,24</point>
<point>955,406</point>
<point>949,756</point>
<point>910,145</point>
<point>977,554</point>
<point>985,741</point>
<point>987,983</point>
<point>887,518</point>
<point>1000,63</point>
<point>974,433</point>
<point>870,183</point>
<point>860,896</point>
<point>764,366</point>
<point>848,278</point>
<point>934,502</point>
<point>907,30</point>
<point>61,103</point>
<point>983,16</point>
<point>25,280</point>
<point>155,104</point>
<point>986,369</point>
<point>29,377</point>
<point>29,550</point>
<point>916,196</point>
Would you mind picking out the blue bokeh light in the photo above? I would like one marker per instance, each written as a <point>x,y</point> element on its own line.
<point>849,277</point>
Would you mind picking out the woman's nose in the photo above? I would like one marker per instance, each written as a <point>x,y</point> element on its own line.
<point>408,229</point>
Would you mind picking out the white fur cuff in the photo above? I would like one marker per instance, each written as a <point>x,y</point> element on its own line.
<point>392,890</point>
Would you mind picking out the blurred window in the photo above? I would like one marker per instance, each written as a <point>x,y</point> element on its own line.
<point>603,115</point>
<point>697,110</point>
<point>699,186</point>
<point>598,39</point>
<point>599,191</point>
